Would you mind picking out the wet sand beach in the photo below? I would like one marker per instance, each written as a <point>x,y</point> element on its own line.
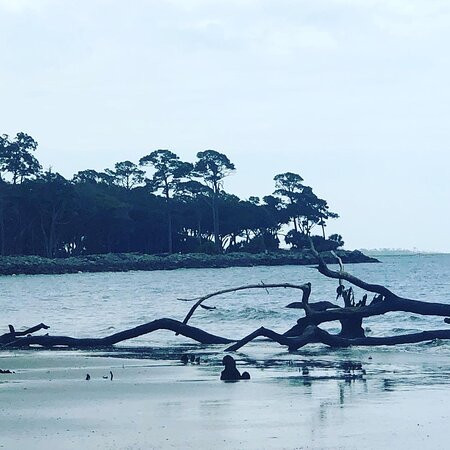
<point>401,402</point>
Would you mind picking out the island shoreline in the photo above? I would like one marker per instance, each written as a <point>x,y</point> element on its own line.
<point>124,262</point>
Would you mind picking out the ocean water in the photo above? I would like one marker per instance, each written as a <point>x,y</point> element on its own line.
<point>98,304</point>
<point>398,398</point>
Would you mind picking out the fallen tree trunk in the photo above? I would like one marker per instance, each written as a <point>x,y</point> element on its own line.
<point>305,331</point>
<point>387,301</point>
<point>395,302</point>
<point>167,324</point>
<point>13,334</point>
<point>314,334</point>
<point>80,343</point>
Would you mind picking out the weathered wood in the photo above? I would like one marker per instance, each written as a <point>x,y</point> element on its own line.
<point>167,324</point>
<point>352,333</point>
<point>292,342</point>
<point>305,288</point>
<point>13,334</point>
<point>352,328</point>
<point>48,341</point>
<point>306,330</point>
<point>315,306</point>
<point>391,302</point>
<point>412,338</point>
<point>314,334</point>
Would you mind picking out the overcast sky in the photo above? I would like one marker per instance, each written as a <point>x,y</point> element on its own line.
<point>354,95</point>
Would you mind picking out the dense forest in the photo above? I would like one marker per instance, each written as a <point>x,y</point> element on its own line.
<point>159,204</point>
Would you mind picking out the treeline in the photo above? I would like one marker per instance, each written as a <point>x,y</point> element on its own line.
<point>158,205</point>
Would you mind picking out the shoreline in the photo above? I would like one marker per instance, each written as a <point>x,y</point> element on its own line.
<point>123,262</point>
<point>154,403</point>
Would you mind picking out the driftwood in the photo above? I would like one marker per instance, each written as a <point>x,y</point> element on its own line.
<point>314,334</point>
<point>15,340</point>
<point>306,288</point>
<point>317,306</point>
<point>306,331</point>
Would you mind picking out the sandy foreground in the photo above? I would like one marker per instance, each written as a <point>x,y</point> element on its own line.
<point>403,401</point>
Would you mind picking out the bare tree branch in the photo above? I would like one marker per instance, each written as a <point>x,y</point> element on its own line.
<point>199,300</point>
<point>391,302</point>
<point>8,337</point>
<point>342,275</point>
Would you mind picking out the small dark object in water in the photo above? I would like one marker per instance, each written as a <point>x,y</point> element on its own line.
<point>209,308</point>
<point>197,360</point>
<point>105,377</point>
<point>230,373</point>
<point>370,357</point>
<point>192,358</point>
<point>88,377</point>
<point>6,371</point>
<point>305,370</point>
<point>185,359</point>
<point>111,375</point>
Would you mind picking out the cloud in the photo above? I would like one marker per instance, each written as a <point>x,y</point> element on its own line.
<point>252,28</point>
<point>406,18</point>
<point>20,6</point>
<point>326,81</point>
<point>287,40</point>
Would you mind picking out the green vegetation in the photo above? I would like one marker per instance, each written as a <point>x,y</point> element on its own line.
<point>159,205</point>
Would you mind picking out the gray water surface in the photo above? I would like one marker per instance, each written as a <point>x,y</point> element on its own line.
<point>97,304</point>
<point>399,399</point>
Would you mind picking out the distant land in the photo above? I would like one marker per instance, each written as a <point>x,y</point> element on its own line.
<point>122,262</point>
<point>397,251</point>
